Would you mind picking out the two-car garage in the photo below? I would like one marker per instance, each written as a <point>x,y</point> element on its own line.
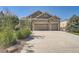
<point>41,27</point>
<point>45,27</point>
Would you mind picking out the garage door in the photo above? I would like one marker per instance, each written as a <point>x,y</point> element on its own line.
<point>41,27</point>
<point>55,27</point>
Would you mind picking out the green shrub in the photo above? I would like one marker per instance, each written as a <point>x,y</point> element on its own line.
<point>19,34</point>
<point>73,24</point>
<point>7,38</point>
<point>23,33</point>
<point>26,32</point>
<point>73,28</point>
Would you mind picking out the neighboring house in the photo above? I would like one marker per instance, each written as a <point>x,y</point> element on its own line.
<point>44,21</point>
<point>63,25</point>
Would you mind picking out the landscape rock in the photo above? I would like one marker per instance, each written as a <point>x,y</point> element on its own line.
<point>12,49</point>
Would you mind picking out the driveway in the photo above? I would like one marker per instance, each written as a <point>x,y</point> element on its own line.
<point>52,42</point>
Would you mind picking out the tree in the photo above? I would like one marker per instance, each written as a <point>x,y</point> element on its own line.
<point>24,23</point>
<point>1,19</point>
<point>8,20</point>
<point>73,24</point>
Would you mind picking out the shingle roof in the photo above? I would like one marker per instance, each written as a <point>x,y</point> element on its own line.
<point>38,15</point>
<point>43,15</point>
<point>35,14</point>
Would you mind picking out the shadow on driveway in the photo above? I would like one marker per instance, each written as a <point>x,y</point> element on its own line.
<point>34,36</point>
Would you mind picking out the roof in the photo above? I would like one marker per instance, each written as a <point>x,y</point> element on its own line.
<point>38,15</point>
<point>43,15</point>
<point>35,14</point>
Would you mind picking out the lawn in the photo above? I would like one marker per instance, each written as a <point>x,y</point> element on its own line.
<point>74,33</point>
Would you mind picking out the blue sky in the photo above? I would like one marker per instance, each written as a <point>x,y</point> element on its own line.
<point>64,12</point>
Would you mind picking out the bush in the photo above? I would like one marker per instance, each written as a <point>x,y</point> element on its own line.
<point>19,34</point>
<point>74,28</point>
<point>73,24</point>
<point>23,33</point>
<point>7,38</point>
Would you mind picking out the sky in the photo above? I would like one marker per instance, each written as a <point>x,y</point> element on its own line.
<point>64,12</point>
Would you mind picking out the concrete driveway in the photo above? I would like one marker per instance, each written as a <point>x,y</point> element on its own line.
<point>52,42</point>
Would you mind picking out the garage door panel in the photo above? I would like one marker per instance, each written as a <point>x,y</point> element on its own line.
<point>41,26</point>
<point>54,26</point>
